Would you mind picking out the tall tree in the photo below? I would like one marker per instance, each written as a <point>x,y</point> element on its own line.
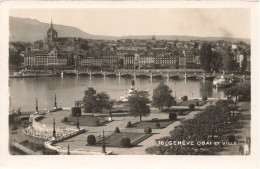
<point>109,106</point>
<point>138,105</point>
<point>227,107</point>
<point>205,56</point>
<point>228,61</point>
<point>216,61</point>
<point>95,102</point>
<point>169,101</point>
<point>244,64</point>
<point>102,100</point>
<point>162,96</point>
<point>89,100</point>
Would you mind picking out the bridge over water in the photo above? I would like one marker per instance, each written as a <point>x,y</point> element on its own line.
<point>140,74</point>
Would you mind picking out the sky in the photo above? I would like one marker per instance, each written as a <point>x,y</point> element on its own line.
<point>202,22</point>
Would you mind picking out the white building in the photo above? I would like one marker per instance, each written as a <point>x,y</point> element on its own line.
<point>240,60</point>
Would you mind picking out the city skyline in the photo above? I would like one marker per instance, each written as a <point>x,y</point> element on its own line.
<point>136,22</point>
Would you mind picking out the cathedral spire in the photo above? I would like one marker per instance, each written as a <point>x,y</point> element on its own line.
<point>51,24</point>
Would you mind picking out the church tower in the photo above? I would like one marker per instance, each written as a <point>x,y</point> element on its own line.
<point>51,34</point>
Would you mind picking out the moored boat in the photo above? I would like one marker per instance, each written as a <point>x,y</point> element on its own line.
<point>130,92</point>
<point>222,82</point>
<point>32,73</point>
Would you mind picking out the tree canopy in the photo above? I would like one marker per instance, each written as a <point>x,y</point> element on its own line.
<point>138,104</point>
<point>162,96</point>
<point>241,90</point>
<point>95,102</point>
<point>210,125</point>
<point>205,56</point>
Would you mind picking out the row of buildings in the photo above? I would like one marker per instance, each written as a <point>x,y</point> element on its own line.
<point>125,53</point>
<point>188,59</point>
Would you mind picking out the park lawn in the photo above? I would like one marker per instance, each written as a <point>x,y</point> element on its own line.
<point>85,120</point>
<point>143,124</point>
<point>188,102</point>
<point>113,140</point>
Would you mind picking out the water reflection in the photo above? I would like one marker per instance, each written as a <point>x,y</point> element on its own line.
<point>68,89</point>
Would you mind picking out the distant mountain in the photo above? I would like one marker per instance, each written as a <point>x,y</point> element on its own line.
<point>30,30</point>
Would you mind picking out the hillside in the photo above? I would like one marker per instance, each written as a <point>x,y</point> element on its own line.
<point>30,30</point>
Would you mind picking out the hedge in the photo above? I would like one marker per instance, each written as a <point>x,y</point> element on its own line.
<point>172,116</point>
<point>129,124</point>
<point>75,111</point>
<point>184,98</point>
<point>125,142</point>
<point>65,119</point>
<point>147,130</point>
<point>117,130</point>
<point>191,106</point>
<point>91,140</point>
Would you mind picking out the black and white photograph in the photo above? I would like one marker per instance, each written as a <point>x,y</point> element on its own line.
<point>139,89</point>
<point>170,81</point>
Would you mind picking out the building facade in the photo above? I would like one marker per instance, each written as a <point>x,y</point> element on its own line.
<point>129,61</point>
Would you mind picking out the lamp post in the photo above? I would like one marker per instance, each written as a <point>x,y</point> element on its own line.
<point>68,150</point>
<point>54,131</point>
<point>36,105</point>
<point>104,146</point>
<point>78,122</point>
<point>55,102</point>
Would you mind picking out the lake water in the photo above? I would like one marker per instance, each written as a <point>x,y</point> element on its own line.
<point>24,91</point>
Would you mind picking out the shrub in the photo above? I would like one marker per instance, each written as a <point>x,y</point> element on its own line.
<point>157,125</point>
<point>96,122</point>
<point>204,98</point>
<point>172,116</point>
<point>91,140</point>
<point>184,98</point>
<point>231,138</point>
<point>174,103</point>
<point>117,130</point>
<point>129,124</point>
<point>147,130</point>
<point>65,119</point>
<point>125,142</point>
<point>191,106</point>
<point>75,111</point>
